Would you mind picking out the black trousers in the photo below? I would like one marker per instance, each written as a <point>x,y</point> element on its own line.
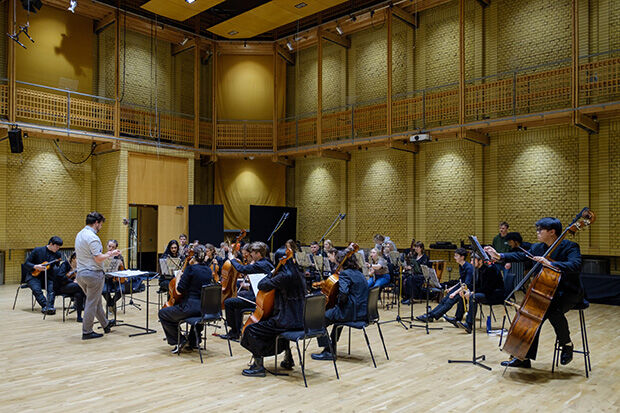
<point>336,332</point>
<point>74,290</point>
<point>412,286</point>
<point>235,307</point>
<point>36,283</point>
<point>260,339</point>
<point>171,316</point>
<point>447,303</point>
<point>560,304</point>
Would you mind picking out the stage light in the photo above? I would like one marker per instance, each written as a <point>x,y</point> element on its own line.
<point>353,18</point>
<point>245,43</point>
<point>189,1</point>
<point>289,46</point>
<point>72,6</point>
<point>339,29</point>
<point>182,43</point>
<point>233,32</point>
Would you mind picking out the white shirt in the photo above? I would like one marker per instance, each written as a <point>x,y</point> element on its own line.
<point>87,247</point>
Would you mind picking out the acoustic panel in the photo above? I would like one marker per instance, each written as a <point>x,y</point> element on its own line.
<point>206,224</point>
<point>179,9</point>
<point>263,220</point>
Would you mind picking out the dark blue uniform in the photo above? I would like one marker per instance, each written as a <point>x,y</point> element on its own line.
<point>466,272</point>
<point>37,256</point>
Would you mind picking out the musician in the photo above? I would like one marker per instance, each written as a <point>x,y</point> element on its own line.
<point>413,282</point>
<point>517,269</point>
<point>111,285</point>
<point>566,257</point>
<point>90,275</point>
<point>173,250</point>
<point>235,306</point>
<point>64,284</point>
<point>500,243</point>
<point>259,338</point>
<point>214,261</point>
<point>327,245</point>
<point>466,280</point>
<point>489,289</point>
<point>183,245</point>
<point>378,270</point>
<point>331,260</point>
<point>36,257</point>
<point>351,306</point>
<point>189,285</point>
<point>380,240</point>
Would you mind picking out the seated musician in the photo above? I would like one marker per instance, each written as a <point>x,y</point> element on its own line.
<point>351,306</point>
<point>327,245</point>
<point>331,260</point>
<point>172,250</point>
<point>312,272</point>
<point>235,306</point>
<point>380,241</point>
<point>489,289</point>
<point>64,283</point>
<point>566,257</point>
<point>413,281</point>
<point>182,246</point>
<point>515,271</point>
<point>378,270</point>
<point>37,257</point>
<point>259,338</point>
<point>189,285</point>
<point>111,290</point>
<point>466,280</point>
<point>214,261</point>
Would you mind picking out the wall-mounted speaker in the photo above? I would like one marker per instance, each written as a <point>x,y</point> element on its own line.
<point>15,139</point>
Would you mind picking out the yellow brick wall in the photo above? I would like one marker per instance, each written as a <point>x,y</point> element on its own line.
<point>334,75</point>
<point>110,185</point>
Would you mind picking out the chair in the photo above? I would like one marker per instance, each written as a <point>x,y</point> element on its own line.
<point>372,318</point>
<point>314,326</point>
<point>22,285</point>
<point>66,307</point>
<point>210,311</point>
<point>581,307</point>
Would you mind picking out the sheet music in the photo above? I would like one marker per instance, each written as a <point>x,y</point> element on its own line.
<point>254,280</point>
<point>359,257</point>
<point>163,267</point>
<point>173,264</point>
<point>303,259</point>
<point>127,273</point>
<point>111,265</point>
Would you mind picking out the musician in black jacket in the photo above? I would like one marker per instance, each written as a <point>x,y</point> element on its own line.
<point>64,284</point>
<point>414,280</point>
<point>352,303</point>
<point>189,285</point>
<point>566,257</point>
<point>38,256</point>
<point>173,250</point>
<point>235,306</point>
<point>259,338</point>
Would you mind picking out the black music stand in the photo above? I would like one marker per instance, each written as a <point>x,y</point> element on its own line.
<point>428,288</point>
<point>476,248</point>
<point>332,227</point>
<point>130,274</point>
<point>398,318</point>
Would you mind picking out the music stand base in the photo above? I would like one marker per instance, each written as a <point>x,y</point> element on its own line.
<point>475,362</point>
<point>398,319</point>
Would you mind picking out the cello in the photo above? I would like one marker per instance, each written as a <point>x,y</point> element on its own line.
<point>174,295</point>
<point>530,314</point>
<point>265,299</point>
<point>329,286</point>
<point>228,273</point>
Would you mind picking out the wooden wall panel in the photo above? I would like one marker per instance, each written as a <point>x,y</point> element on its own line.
<point>171,221</point>
<point>157,180</point>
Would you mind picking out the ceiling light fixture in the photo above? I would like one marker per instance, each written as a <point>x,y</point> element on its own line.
<point>300,5</point>
<point>233,32</point>
<point>189,1</point>
<point>289,46</point>
<point>72,6</point>
<point>353,18</point>
<point>182,43</point>
<point>245,43</point>
<point>339,30</point>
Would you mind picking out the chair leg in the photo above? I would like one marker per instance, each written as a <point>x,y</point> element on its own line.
<point>331,350</point>
<point>228,338</point>
<point>16,294</point>
<point>302,361</point>
<point>584,342</point>
<point>369,349</point>
<point>492,313</point>
<point>556,357</point>
<point>382,341</point>
<point>349,341</point>
<point>63,309</point>
<point>204,330</point>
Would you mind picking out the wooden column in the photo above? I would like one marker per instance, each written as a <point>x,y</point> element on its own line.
<point>11,71</point>
<point>574,58</point>
<point>319,85</point>
<point>461,65</point>
<point>389,73</point>
<point>213,105</point>
<point>196,92</point>
<point>275,100</point>
<point>117,70</point>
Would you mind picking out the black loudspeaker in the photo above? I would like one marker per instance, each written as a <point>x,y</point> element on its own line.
<point>15,139</point>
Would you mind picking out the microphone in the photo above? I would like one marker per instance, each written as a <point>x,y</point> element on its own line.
<point>342,216</point>
<point>126,221</point>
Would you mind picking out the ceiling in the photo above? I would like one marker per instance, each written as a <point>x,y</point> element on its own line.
<point>250,19</point>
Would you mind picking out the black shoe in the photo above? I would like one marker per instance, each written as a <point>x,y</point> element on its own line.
<point>567,354</point>
<point>51,311</point>
<point>108,328</point>
<point>44,310</point>
<point>179,347</point>
<point>466,326</point>
<point>515,362</point>
<point>423,318</point>
<point>91,335</point>
<point>406,302</point>
<point>452,320</point>
<point>287,363</point>
<point>326,355</point>
<point>254,371</point>
<point>79,319</point>
<point>230,337</point>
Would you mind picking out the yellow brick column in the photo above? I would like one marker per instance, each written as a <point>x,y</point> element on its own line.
<point>421,224</point>
<point>493,196</point>
<point>585,238</point>
<point>478,191</point>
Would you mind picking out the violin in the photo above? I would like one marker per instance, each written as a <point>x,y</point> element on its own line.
<point>329,287</point>
<point>71,274</point>
<point>228,273</point>
<point>174,295</point>
<point>265,299</point>
<point>46,264</point>
<point>122,280</point>
<point>215,269</point>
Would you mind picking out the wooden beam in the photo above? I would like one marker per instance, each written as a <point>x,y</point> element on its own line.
<point>246,48</point>
<point>196,94</point>
<point>404,146</point>
<point>285,54</point>
<point>283,160</point>
<point>344,41</point>
<point>105,147</point>
<point>476,137</point>
<point>389,74</point>
<point>412,19</point>
<point>319,85</point>
<point>328,153</point>
<point>178,47</point>
<point>213,105</point>
<point>11,69</point>
<point>105,22</point>
<point>586,123</point>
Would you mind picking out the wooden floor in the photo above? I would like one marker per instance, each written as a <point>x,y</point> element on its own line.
<point>47,367</point>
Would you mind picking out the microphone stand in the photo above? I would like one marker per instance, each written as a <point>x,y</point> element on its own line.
<point>133,234</point>
<point>283,219</point>
<point>398,318</point>
<point>333,226</point>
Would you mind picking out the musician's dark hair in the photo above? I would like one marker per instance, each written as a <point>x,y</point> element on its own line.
<point>183,235</point>
<point>55,240</point>
<point>514,236</point>
<point>171,243</point>
<point>504,224</point>
<point>72,256</point>
<point>246,247</point>
<point>114,241</point>
<point>350,263</point>
<point>421,245</point>
<point>200,253</point>
<point>378,237</point>
<point>259,247</point>
<point>462,252</point>
<point>412,244</point>
<point>210,247</point>
<point>293,245</point>
<point>94,217</point>
<point>314,243</point>
<point>550,223</point>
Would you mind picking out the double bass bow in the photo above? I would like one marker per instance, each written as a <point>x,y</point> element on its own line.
<point>329,286</point>
<point>265,299</point>
<point>546,278</point>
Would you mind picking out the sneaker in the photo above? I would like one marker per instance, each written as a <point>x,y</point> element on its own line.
<point>452,320</point>
<point>51,311</point>
<point>179,347</point>
<point>230,337</point>
<point>515,362</point>
<point>79,319</point>
<point>287,363</point>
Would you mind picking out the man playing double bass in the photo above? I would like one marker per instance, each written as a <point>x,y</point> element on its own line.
<point>567,258</point>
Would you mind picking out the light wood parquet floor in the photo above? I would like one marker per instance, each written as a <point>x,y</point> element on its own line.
<point>47,367</point>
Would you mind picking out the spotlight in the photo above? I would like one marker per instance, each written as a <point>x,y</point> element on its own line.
<point>372,13</point>
<point>339,29</point>
<point>353,18</point>
<point>289,46</point>
<point>189,1</point>
<point>72,6</point>
<point>233,32</point>
<point>245,43</point>
<point>182,43</point>
<point>300,5</point>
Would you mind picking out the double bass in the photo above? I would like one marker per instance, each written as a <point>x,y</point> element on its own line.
<point>530,314</point>
<point>265,299</point>
<point>174,295</point>
<point>329,287</point>
<point>228,273</point>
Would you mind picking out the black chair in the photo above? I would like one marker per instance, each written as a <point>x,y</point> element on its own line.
<point>23,285</point>
<point>314,326</point>
<point>372,318</point>
<point>210,311</point>
<point>581,307</point>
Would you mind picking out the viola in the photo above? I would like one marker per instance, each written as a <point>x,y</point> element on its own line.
<point>530,314</point>
<point>329,287</point>
<point>215,269</point>
<point>229,274</point>
<point>265,299</point>
<point>46,264</point>
<point>173,295</point>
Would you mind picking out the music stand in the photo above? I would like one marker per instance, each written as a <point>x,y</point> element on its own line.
<point>132,274</point>
<point>429,276</point>
<point>477,249</point>
<point>398,318</point>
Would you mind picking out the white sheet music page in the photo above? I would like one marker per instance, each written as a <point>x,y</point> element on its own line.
<point>254,280</point>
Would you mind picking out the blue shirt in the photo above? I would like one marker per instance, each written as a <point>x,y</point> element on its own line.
<point>466,272</point>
